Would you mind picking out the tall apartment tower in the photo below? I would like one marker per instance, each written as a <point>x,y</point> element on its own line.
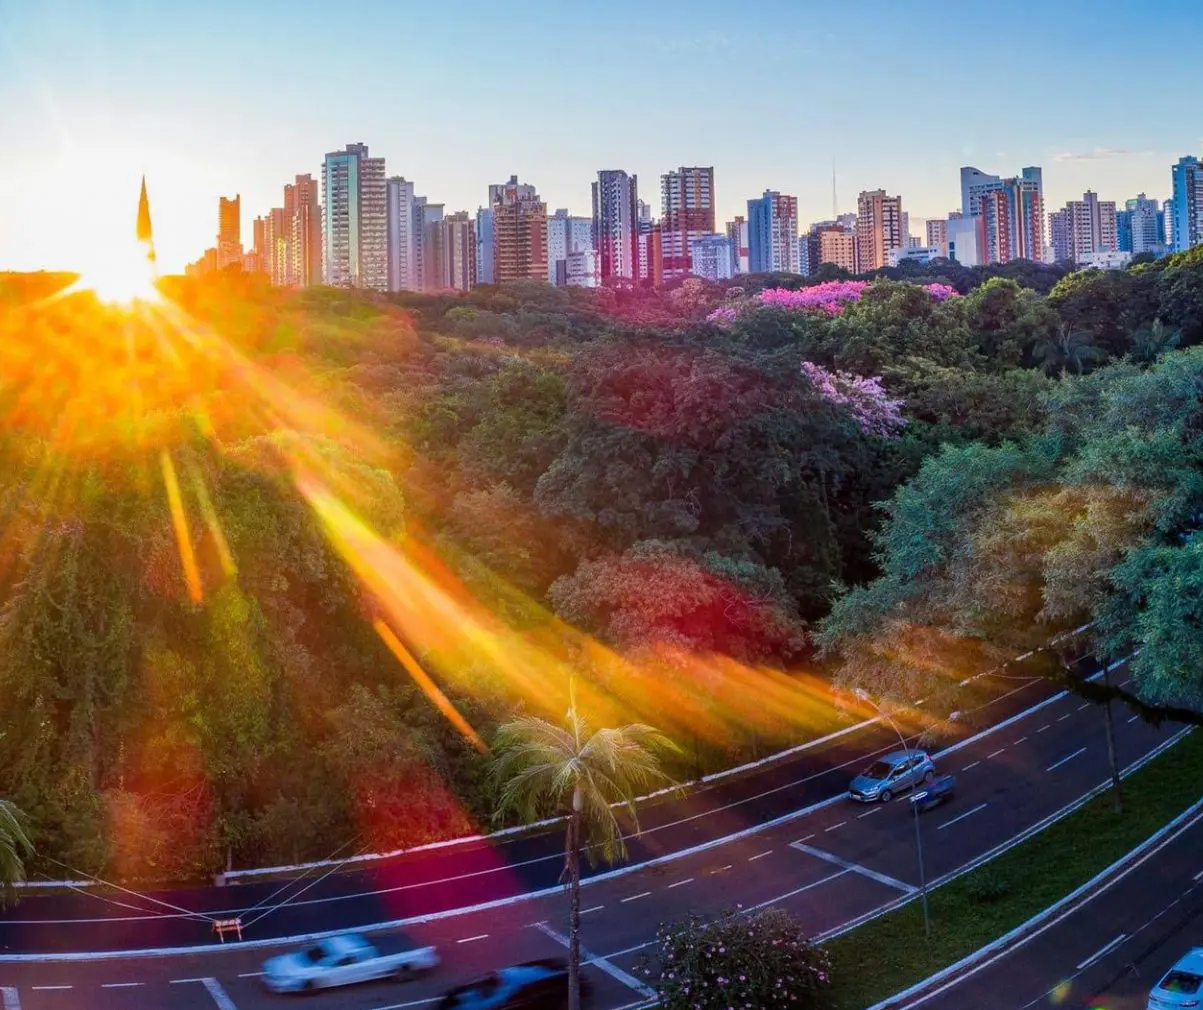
<point>878,229</point>
<point>403,267</point>
<point>937,234</point>
<point>1185,210</point>
<point>355,219</point>
<point>484,245</point>
<point>974,185</point>
<point>773,234</point>
<point>519,233</point>
<point>737,232</point>
<point>1146,226</point>
<point>229,231</point>
<point>1010,220</point>
<point>687,203</point>
<point>459,250</point>
<point>566,234</point>
<point>616,225</point>
<point>1083,227</point>
<point>303,211</point>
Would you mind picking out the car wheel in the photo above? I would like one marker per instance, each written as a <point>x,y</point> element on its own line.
<point>404,974</point>
<point>928,777</point>
<point>886,796</point>
<point>309,988</point>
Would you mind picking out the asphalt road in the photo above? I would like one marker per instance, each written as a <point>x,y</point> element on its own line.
<point>450,878</point>
<point>827,867</point>
<point>1106,950</point>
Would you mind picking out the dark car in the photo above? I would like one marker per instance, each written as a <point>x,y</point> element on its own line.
<point>532,985</point>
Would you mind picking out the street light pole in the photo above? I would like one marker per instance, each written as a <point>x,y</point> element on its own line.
<point>864,696</point>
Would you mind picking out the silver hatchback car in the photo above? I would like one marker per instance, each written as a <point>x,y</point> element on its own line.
<point>887,777</point>
<point>1182,984</point>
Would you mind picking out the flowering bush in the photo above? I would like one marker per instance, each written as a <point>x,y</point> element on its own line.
<point>870,405</point>
<point>830,297</point>
<point>739,962</point>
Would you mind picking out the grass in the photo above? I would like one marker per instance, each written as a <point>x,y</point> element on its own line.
<point>887,955</point>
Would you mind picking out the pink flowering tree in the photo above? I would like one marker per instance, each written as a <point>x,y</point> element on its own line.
<point>828,298</point>
<point>865,398</point>
<point>760,960</point>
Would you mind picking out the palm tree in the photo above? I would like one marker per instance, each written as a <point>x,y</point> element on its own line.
<point>1153,341</point>
<point>1066,349</point>
<point>543,768</point>
<point>14,847</point>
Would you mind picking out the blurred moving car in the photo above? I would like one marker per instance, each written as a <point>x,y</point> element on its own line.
<point>1181,985</point>
<point>532,985</point>
<point>936,793</point>
<point>885,778</point>
<point>346,959</point>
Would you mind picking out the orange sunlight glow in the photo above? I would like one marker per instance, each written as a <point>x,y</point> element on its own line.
<point>122,275</point>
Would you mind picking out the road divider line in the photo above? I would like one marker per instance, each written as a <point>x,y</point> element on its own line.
<point>587,956</point>
<point>1062,718</point>
<point>1019,741</point>
<point>412,1002</point>
<point>595,908</point>
<point>220,996</point>
<point>721,869</point>
<point>834,826</point>
<point>183,981</point>
<point>968,766</point>
<point>868,813</point>
<point>635,897</point>
<point>119,985</point>
<point>795,891</point>
<point>1102,952</point>
<point>49,988</point>
<point>996,753</point>
<point>961,817</point>
<point>1133,719</point>
<point>1069,757</point>
<point>1043,728</point>
<point>1085,705</point>
<point>752,859</point>
<point>864,871</point>
<point>681,883</point>
<point>473,939</point>
<point>1199,876</point>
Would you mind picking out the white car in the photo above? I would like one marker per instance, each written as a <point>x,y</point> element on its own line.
<point>1182,984</point>
<point>346,959</point>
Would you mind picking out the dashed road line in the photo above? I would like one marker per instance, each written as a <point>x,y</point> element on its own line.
<point>1043,728</point>
<point>807,838</point>
<point>245,974</point>
<point>184,981</point>
<point>1134,718</point>
<point>681,883</point>
<point>968,766</point>
<point>961,817</point>
<point>119,985</point>
<point>1068,757</point>
<point>1019,741</point>
<point>48,988</point>
<point>636,897</point>
<point>1084,704</point>
<point>1102,951</point>
<point>868,813</point>
<point>721,869</point>
<point>611,969</point>
<point>595,908</point>
<point>864,871</point>
<point>752,859</point>
<point>1062,718</point>
<point>834,826</point>
<point>473,939</point>
<point>996,753</point>
<point>412,1002</point>
<point>220,996</point>
<point>797,890</point>
<point>1199,875</point>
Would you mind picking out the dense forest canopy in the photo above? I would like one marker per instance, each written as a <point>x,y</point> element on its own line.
<point>274,565</point>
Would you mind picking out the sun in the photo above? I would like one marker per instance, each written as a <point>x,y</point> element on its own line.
<point>121,274</point>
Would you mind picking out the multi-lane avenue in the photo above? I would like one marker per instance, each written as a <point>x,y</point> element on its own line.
<point>832,864</point>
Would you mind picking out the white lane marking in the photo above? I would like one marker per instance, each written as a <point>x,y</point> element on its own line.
<point>1199,875</point>
<point>1134,718</point>
<point>119,985</point>
<point>595,908</point>
<point>996,753</point>
<point>721,869</point>
<point>1062,718</point>
<point>864,871</point>
<point>1019,741</point>
<point>961,817</point>
<point>636,897</point>
<point>681,883</point>
<point>48,988</point>
<point>473,939</point>
<point>1043,728</point>
<point>249,974</point>
<point>220,996</point>
<point>184,981</point>
<point>968,766</point>
<point>611,969</point>
<point>9,998</point>
<point>1102,951</point>
<point>868,813</point>
<point>834,826</point>
<point>797,890</point>
<point>1085,704</point>
<point>807,838</point>
<point>1068,757</point>
<point>752,859</point>
<point>412,1002</point>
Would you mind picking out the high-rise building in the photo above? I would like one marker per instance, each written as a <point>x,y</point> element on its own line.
<point>581,269</point>
<point>687,203</point>
<point>355,219</point>
<point>1084,227</point>
<point>974,185</point>
<point>773,234</point>
<point>303,210</point>
<point>1146,224</point>
<point>1186,212</point>
<point>229,232</point>
<point>519,232</point>
<point>1123,230</point>
<point>484,245</point>
<point>404,273</point>
<point>962,240</point>
<point>937,233</point>
<point>565,234</point>
<point>459,245</point>
<point>1010,220</point>
<point>710,256</point>
<point>878,229</point>
<point>836,245</point>
<point>651,254</point>
<point>737,232</point>
<point>616,206</point>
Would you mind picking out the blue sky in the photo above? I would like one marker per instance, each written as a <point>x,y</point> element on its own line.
<point>226,97</point>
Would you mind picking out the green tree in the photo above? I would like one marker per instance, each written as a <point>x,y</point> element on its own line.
<point>15,848</point>
<point>542,769</point>
<point>1066,350</point>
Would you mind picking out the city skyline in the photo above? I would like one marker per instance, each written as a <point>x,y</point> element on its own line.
<point>172,92</point>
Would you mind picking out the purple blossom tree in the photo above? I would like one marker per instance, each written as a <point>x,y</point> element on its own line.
<point>871,407</point>
<point>830,298</point>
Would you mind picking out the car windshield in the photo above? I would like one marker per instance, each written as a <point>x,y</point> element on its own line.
<point>879,770</point>
<point>315,954</point>
<point>1184,982</point>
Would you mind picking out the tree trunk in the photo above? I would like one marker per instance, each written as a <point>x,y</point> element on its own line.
<point>1116,786</point>
<point>574,890</point>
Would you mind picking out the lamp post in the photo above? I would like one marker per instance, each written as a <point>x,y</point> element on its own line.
<point>864,696</point>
